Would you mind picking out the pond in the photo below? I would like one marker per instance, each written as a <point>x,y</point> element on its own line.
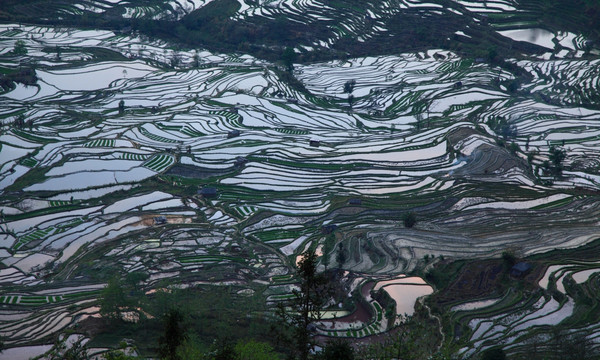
<point>406,295</point>
<point>24,352</point>
<point>405,291</point>
<point>94,77</point>
<point>535,36</point>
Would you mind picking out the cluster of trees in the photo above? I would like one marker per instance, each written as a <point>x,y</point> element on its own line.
<point>212,323</point>
<point>20,48</point>
<point>215,324</point>
<point>503,127</point>
<point>348,89</point>
<point>25,75</point>
<point>409,219</point>
<point>556,157</point>
<point>191,325</point>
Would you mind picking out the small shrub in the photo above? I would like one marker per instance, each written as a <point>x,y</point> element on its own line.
<point>410,219</point>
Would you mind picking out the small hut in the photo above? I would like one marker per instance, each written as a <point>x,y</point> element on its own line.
<point>233,133</point>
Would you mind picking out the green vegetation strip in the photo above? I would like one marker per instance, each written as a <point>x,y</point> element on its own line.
<point>45,299</point>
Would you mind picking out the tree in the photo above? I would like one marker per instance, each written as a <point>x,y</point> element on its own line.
<point>112,299</point>
<point>305,309</point>
<point>190,349</point>
<point>77,351</point>
<point>509,259</point>
<point>493,354</point>
<point>20,121</point>
<point>288,57</point>
<point>134,279</point>
<point>492,54</point>
<point>254,350</point>
<point>341,255</point>
<point>60,350</point>
<point>196,59</point>
<point>337,350</point>
<point>173,336</point>
<point>328,247</point>
<point>410,219</point>
<point>222,350</point>
<point>349,86</point>
<point>557,156</point>
<point>121,107</point>
<point>360,125</point>
<point>504,127</point>
<point>175,59</point>
<point>20,48</point>
<point>118,355</point>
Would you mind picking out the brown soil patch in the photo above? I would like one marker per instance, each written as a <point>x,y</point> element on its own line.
<point>148,220</point>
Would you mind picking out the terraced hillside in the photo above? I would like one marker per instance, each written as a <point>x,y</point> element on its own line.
<point>325,29</point>
<point>199,168</point>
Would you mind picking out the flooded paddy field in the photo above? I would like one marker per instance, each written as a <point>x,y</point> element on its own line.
<point>219,171</point>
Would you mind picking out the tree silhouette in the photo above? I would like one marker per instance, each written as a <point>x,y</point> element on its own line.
<point>337,350</point>
<point>121,107</point>
<point>173,336</point>
<point>410,219</point>
<point>349,86</point>
<point>20,48</point>
<point>288,57</point>
<point>302,312</point>
<point>112,299</point>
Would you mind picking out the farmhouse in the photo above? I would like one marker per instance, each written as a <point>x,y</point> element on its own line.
<point>233,133</point>
<point>160,220</point>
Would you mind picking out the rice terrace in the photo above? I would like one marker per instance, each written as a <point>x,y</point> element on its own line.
<point>177,165</point>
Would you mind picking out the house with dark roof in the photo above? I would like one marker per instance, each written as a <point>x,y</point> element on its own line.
<point>233,133</point>
<point>160,220</point>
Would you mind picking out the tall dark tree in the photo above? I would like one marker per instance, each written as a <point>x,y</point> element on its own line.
<point>20,48</point>
<point>302,312</point>
<point>493,354</point>
<point>349,86</point>
<point>61,351</point>
<point>173,336</point>
<point>121,107</point>
<point>410,219</point>
<point>112,299</point>
<point>288,57</point>
<point>557,156</point>
<point>338,350</point>
<point>341,255</point>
